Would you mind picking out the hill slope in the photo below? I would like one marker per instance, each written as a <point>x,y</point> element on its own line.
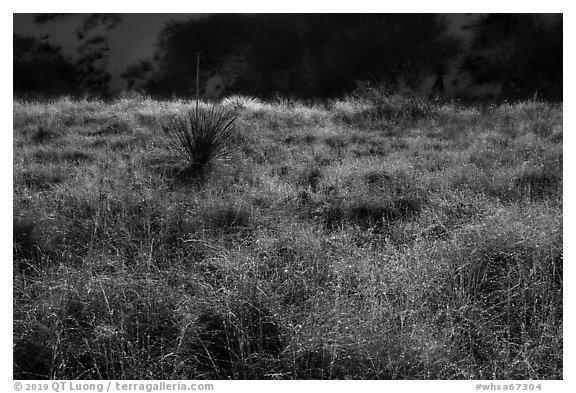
<point>403,240</point>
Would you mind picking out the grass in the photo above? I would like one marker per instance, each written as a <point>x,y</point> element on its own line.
<point>372,237</point>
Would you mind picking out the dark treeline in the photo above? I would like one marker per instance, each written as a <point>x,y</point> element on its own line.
<point>40,69</point>
<point>522,51</point>
<point>304,55</point>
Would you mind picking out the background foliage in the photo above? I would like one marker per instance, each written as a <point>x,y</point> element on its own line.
<point>303,55</point>
<point>522,51</point>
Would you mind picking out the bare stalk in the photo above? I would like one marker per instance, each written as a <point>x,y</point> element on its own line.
<point>197,82</point>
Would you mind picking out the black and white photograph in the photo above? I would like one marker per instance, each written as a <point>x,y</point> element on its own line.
<point>287,196</point>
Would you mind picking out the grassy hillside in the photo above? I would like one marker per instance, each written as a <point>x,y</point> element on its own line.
<point>376,237</point>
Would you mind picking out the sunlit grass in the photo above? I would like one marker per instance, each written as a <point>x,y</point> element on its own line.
<point>337,241</point>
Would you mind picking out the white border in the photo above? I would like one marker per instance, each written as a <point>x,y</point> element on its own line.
<point>299,6</point>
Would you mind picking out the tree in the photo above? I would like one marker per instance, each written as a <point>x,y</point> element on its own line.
<point>522,51</point>
<point>93,66</point>
<point>303,55</point>
<point>41,69</point>
<point>93,50</point>
<point>216,37</point>
<point>94,21</point>
<point>137,74</point>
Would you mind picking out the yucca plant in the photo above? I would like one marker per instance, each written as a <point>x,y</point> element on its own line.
<point>203,135</point>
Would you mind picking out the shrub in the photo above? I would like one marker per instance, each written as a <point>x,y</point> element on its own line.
<point>403,108</point>
<point>203,135</point>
